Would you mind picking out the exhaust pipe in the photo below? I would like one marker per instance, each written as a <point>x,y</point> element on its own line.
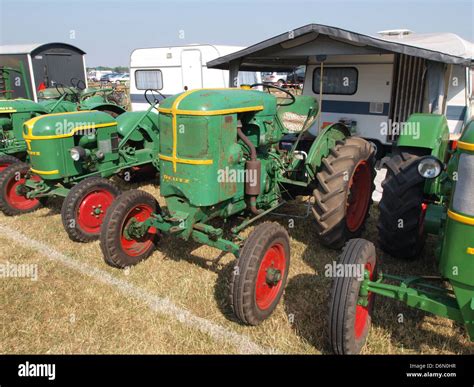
<point>252,166</point>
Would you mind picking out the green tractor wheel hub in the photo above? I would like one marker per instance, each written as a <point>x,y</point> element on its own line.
<point>96,211</point>
<point>273,276</point>
<point>135,230</point>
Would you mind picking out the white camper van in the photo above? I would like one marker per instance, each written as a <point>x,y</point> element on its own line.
<point>171,70</point>
<point>371,83</point>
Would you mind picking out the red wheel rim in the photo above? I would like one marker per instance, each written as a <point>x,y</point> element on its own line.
<point>363,312</point>
<point>266,288</point>
<point>14,199</point>
<point>92,209</point>
<point>359,196</point>
<point>136,247</point>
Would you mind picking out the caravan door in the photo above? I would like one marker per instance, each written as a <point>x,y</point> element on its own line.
<point>191,69</point>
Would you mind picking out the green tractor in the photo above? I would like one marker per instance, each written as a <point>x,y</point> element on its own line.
<point>14,113</point>
<point>221,156</point>
<point>71,155</point>
<point>449,215</point>
<point>406,216</point>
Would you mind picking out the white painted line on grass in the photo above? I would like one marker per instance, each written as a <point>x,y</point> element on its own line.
<point>160,305</point>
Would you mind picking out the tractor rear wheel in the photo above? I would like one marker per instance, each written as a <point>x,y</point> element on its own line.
<point>85,206</point>
<point>402,211</point>
<point>349,320</point>
<point>12,200</point>
<point>6,161</point>
<point>120,249</point>
<point>343,192</point>
<point>260,275</point>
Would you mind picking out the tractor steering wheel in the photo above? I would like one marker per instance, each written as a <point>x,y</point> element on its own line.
<point>268,86</point>
<point>64,90</point>
<point>153,93</point>
<point>78,83</point>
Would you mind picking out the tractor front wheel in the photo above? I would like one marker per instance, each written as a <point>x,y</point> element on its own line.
<point>343,192</point>
<point>260,275</point>
<point>13,200</point>
<point>121,243</point>
<point>6,161</point>
<point>350,314</point>
<point>84,208</point>
<point>402,210</point>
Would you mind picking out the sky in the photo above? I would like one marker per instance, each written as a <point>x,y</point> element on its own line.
<point>108,30</point>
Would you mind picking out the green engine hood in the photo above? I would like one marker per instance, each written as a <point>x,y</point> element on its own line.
<point>220,101</point>
<point>60,125</point>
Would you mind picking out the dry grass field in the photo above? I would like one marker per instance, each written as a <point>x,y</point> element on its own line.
<point>176,301</point>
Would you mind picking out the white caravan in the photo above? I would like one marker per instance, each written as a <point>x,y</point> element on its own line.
<point>372,83</point>
<point>171,70</point>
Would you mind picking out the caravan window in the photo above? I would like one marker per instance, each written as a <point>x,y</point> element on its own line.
<point>336,80</point>
<point>149,79</point>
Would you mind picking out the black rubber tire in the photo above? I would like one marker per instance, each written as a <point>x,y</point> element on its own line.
<point>111,230</point>
<point>7,160</point>
<point>401,204</point>
<point>70,207</point>
<point>343,300</point>
<point>243,282</point>
<point>333,188</point>
<point>13,172</point>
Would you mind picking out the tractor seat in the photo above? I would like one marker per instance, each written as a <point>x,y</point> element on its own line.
<point>294,116</point>
<point>293,122</point>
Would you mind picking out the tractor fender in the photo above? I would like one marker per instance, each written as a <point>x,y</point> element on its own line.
<point>323,143</point>
<point>103,107</point>
<point>148,126</point>
<point>426,132</point>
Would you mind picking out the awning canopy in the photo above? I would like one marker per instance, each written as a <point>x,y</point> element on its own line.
<point>295,47</point>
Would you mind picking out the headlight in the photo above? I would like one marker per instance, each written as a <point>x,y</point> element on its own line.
<point>77,153</point>
<point>430,167</point>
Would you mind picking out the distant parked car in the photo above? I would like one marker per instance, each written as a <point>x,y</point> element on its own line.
<point>296,77</point>
<point>106,77</point>
<point>119,78</point>
<point>95,75</point>
<point>278,79</point>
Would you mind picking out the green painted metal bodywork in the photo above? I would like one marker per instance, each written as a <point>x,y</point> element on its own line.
<point>201,151</point>
<point>111,145</point>
<point>14,113</point>
<point>431,133</point>
<point>454,219</point>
